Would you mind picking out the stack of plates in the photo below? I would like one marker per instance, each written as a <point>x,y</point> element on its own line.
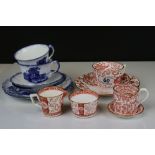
<point>17,86</point>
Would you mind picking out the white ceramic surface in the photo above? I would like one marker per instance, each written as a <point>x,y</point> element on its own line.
<point>84,98</point>
<point>51,93</point>
<point>34,54</point>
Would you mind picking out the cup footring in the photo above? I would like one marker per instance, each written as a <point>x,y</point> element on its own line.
<point>82,116</point>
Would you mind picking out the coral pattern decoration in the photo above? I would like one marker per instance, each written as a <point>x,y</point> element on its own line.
<point>107,72</point>
<point>112,108</point>
<point>127,98</point>
<point>55,104</point>
<point>88,81</point>
<point>84,109</point>
<point>127,79</point>
<point>51,105</point>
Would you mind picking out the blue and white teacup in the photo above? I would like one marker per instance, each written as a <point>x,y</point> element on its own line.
<point>39,73</point>
<point>36,54</point>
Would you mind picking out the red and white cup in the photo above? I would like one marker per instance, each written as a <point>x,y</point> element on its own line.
<point>107,72</point>
<point>127,98</point>
<point>50,99</point>
<point>84,103</point>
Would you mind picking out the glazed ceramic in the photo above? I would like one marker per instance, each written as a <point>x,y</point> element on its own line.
<point>36,54</point>
<point>88,81</point>
<point>127,99</point>
<point>24,93</point>
<point>84,103</point>
<point>127,79</point>
<point>19,81</point>
<point>50,99</point>
<point>107,72</point>
<point>139,110</point>
<point>38,73</point>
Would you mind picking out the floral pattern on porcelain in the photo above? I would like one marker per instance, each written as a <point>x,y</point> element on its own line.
<point>52,106</point>
<point>33,75</point>
<point>107,72</point>
<point>42,61</point>
<point>127,79</point>
<point>84,109</point>
<point>88,81</point>
<point>123,113</point>
<point>126,98</point>
<point>37,74</point>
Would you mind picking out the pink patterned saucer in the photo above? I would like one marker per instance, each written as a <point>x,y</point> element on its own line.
<point>138,111</point>
<point>88,81</point>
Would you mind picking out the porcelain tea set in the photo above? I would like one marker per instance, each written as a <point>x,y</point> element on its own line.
<point>35,63</point>
<point>49,87</point>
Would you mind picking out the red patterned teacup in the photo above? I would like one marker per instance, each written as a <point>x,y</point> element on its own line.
<point>127,98</point>
<point>84,103</point>
<point>50,99</point>
<point>107,72</point>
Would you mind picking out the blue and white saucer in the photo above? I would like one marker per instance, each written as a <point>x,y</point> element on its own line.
<point>24,93</point>
<point>19,81</point>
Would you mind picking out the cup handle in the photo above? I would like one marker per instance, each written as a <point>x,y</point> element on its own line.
<point>123,70</point>
<point>65,93</point>
<point>52,50</point>
<point>32,96</point>
<point>146,95</point>
<point>58,66</point>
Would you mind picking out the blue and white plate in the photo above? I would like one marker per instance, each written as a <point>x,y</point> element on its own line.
<point>19,81</point>
<point>24,93</point>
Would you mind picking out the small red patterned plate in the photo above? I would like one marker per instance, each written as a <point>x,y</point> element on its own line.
<point>88,81</point>
<point>139,110</point>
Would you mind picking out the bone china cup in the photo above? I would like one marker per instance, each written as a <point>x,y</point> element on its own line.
<point>107,72</point>
<point>127,98</point>
<point>50,99</point>
<point>39,73</point>
<point>84,103</point>
<point>36,54</point>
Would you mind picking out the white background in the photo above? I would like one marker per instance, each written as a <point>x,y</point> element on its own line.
<point>80,12</point>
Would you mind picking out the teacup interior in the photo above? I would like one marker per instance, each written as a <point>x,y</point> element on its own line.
<point>83,98</point>
<point>50,93</point>
<point>31,52</point>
